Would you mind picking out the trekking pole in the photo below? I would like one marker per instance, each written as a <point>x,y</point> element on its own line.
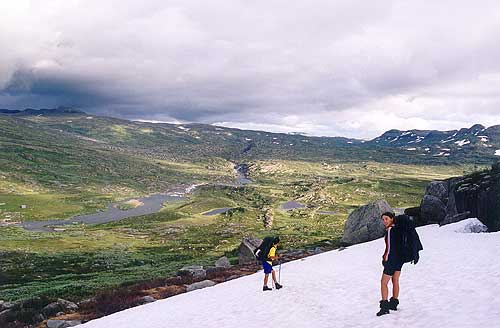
<point>279,274</point>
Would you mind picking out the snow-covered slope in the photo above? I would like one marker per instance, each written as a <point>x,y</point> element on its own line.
<point>455,284</point>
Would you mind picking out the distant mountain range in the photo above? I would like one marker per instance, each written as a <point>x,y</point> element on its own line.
<point>477,144</point>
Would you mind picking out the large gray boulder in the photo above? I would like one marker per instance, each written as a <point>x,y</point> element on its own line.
<point>245,251</point>
<point>364,224</point>
<point>59,306</point>
<point>200,285</point>
<point>438,189</point>
<point>432,209</point>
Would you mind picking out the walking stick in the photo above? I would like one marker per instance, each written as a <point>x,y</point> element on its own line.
<point>279,274</point>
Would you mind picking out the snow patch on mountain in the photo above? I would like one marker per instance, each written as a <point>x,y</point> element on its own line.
<point>462,142</point>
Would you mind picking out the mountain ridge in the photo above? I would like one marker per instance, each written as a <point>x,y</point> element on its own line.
<point>476,144</point>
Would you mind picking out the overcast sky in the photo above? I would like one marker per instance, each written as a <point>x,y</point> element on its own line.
<point>337,68</point>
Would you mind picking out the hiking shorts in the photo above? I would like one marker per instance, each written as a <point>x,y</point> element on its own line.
<point>268,268</point>
<point>392,266</point>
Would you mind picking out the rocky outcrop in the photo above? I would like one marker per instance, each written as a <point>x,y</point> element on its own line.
<point>59,306</point>
<point>432,208</point>
<point>364,224</point>
<point>473,196</point>
<point>245,251</point>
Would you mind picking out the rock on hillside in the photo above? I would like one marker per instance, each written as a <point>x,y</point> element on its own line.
<point>364,224</point>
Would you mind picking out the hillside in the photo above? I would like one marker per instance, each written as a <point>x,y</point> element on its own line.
<point>342,289</point>
<point>197,142</point>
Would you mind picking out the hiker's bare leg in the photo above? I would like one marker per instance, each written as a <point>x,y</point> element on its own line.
<point>274,276</point>
<point>266,277</point>
<point>395,284</point>
<point>383,286</point>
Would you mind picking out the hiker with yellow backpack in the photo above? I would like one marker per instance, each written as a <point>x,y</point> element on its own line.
<point>266,253</point>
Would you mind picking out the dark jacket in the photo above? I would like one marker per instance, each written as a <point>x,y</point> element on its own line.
<point>392,239</point>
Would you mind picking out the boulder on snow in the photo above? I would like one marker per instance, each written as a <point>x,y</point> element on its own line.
<point>364,224</point>
<point>475,195</point>
<point>245,251</point>
<point>62,323</point>
<point>472,225</point>
<point>200,285</point>
<point>432,209</point>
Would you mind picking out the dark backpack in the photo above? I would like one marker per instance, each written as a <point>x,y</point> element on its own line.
<point>262,251</point>
<point>410,243</point>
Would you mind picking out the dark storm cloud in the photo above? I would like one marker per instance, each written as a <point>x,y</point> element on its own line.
<point>352,68</point>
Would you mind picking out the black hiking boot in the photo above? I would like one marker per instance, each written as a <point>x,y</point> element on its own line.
<point>266,288</point>
<point>393,304</point>
<point>278,286</point>
<point>384,308</point>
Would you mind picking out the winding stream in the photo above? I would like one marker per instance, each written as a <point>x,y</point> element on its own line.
<point>151,204</point>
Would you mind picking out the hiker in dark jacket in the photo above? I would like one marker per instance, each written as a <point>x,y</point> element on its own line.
<point>392,262</point>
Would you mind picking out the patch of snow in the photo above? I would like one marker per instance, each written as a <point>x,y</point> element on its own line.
<point>497,152</point>
<point>462,142</point>
<point>274,138</point>
<point>248,139</point>
<point>472,225</point>
<point>183,128</point>
<point>446,149</point>
<point>455,283</point>
<point>304,140</point>
<point>483,138</point>
<point>349,142</point>
<point>427,149</point>
<point>276,143</point>
<point>291,144</point>
<point>395,139</point>
<point>445,141</point>
<point>411,148</point>
<point>89,117</point>
<point>405,133</point>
